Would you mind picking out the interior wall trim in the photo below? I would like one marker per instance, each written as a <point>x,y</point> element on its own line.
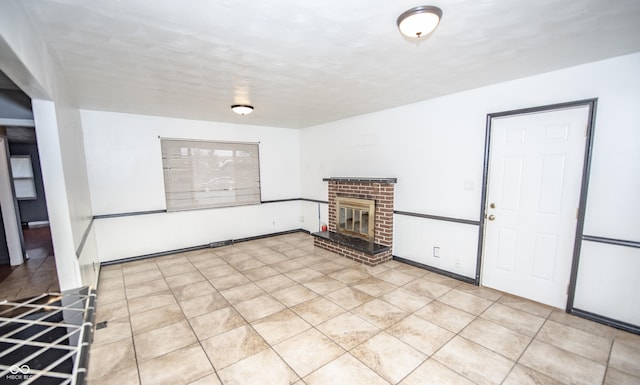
<point>435,270</point>
<point>438,218</point>
<point>627,327</point>
<point>84,239</point>
<point>314,200</point>
<point>161,211</point>
<point>211,245</point>
<point>611,241</point>
<point>129,214</point>
<point>280,200</point>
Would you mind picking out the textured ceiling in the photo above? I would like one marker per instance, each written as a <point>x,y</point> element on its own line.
<point>302,63</point>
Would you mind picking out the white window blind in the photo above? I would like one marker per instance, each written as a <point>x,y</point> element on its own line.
<point>200,174</point>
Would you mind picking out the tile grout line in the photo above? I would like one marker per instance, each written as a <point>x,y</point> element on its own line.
<point>192,330</point>
<point>452,337</point>
<point>350,311</point>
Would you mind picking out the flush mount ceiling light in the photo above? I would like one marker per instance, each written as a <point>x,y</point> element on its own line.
<point>419,21</point>
<point>242,109</point>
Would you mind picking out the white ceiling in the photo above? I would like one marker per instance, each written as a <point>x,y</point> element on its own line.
<point>305,62</point>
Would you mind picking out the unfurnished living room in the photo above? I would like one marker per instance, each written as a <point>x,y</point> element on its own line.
<point>320,192</point>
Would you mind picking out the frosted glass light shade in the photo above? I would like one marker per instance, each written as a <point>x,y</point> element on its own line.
<point>419,21</point>
<point>242,109</point>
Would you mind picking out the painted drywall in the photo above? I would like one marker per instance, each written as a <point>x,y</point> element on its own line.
<point>600,265</point>
<point>55,185</point>
<point>124,162</point>
<point>140,235</point>
<point>436,149</point>
<point>25,60</point>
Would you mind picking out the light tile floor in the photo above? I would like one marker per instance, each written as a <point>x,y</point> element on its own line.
<point>279,311</point>
<point>31,279</point>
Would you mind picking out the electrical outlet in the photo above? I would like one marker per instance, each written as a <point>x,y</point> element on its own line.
<point>301,218</point>
<point>436,251</point>
<point>457,263</point>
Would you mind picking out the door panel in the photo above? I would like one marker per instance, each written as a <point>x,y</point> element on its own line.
<point>534,181</point>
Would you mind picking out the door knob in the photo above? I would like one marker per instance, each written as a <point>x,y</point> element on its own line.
<point>492,205</point>
<point>491,217</point>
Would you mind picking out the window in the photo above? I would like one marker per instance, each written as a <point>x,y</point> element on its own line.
<point>23,181</point>
<point>200,174</point>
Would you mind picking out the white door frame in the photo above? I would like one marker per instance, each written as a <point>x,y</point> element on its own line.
<point>592,104</point>
<point>9,205</point>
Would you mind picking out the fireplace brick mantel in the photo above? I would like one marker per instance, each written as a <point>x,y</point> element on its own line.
<point>380,190</point>
<point>361,180</point>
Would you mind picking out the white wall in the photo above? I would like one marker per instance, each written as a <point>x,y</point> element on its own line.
<point>435,148</point>
<point>44,113</point>
<point>25,59</point>
<point>600,265</point>
<point>125,175</point>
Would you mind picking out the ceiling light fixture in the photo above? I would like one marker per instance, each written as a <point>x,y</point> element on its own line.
<point>242,109</point>
<point>419,21</point>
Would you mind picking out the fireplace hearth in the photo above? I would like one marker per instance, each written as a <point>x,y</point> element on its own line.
<point>360,219</point>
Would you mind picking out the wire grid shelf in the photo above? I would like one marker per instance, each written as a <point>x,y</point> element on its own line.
<point>45,339</point>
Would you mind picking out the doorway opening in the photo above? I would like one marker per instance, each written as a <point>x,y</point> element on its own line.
<point>27,262</point>
<point>533,201</point>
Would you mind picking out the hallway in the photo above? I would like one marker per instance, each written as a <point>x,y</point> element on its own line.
<point>37,275</point>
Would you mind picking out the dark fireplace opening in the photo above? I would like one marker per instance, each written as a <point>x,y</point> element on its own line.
<point>356,217</point>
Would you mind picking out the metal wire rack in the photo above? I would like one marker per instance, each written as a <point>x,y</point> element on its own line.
<point>45,339</point>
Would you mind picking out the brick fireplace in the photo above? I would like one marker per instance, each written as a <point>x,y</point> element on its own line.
<point>369,251</point>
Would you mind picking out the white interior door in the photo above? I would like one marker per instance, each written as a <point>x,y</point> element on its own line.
<point>533,193</point>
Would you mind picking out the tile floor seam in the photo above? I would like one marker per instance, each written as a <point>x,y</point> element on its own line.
<point>569,351</point>
<point>458,335</point>
<point>606,367</point>
<point>531,342</point>
<point>199,341</point>
<point>215,371</point>
<point>270,347</point>
<point>287,363</point>
<point>432,356</point>
<point>305,259</point>
<point>133,344</point>
<point>517,361</point>
<point>428,357</point>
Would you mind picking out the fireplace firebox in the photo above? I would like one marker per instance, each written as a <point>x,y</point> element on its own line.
<point>360,219</point>
<point>356,217</point>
